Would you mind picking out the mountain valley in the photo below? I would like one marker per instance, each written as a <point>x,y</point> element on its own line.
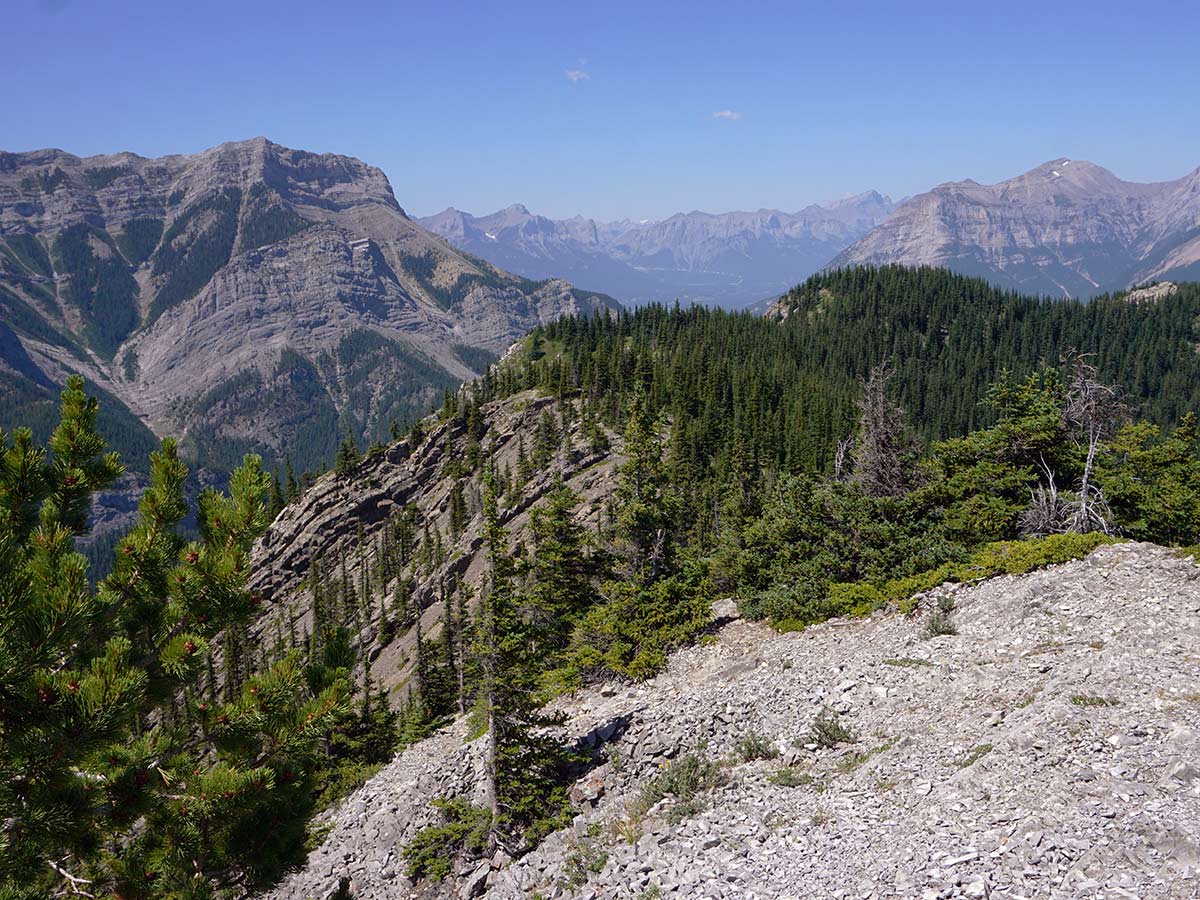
<point>687,520</point>
<point>670,602</point>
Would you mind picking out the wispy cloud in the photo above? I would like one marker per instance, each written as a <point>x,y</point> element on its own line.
<point>576,75</point>
<point>730,114</point>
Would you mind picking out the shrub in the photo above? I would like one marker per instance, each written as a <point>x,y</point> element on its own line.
<point>342,780</point>
<point>852,761</point>
<point>1019,557</point>
<point>856,600</point>
<point>940,621</point>
<point>1091,700</point>
<point>584,860</point>
<point>755,746</point>
<point>790,776</point>
<point>464,831</point>
<point>683,779</point>
<point>977,753</point>
<point>997,558</point>
<point>828,731</point>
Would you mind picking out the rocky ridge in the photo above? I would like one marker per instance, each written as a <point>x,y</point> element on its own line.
<point>342,517</point>
<point>1065,228</point>
<point>1048,749</point>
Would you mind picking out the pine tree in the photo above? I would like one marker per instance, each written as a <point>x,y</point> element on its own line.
<point>96,739</point>
<point>647,506</point>
<point>560,573</point>
<point>458,510</point>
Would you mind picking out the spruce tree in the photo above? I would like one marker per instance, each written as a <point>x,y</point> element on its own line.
<point>525,788</point>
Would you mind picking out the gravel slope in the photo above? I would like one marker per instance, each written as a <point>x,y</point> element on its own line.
<point>1049,749</point>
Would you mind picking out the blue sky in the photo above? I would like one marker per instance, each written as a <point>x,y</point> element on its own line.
<point>608,109</point>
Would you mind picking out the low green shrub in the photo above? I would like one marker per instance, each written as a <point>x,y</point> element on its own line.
<point>828,731</point>
<point>998,558</point>
<point>940,620</point>
<point>584,860</point>
<point>755,746</point>
<point>1092,700</point>
<point>1019,557</point>
<point>978,752</point>
<point>790,776</point>
<point>464,831</point>
<point>857,600</point>
<point>342,780</point>
<point>683,779</point>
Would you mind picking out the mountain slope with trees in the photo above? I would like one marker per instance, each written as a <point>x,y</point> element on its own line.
<point>257,289</point>
<point>250,298</point>
<point>567,521</point>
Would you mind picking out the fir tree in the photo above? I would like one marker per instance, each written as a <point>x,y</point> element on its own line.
<point>348,455</point>
<point>526,793</point>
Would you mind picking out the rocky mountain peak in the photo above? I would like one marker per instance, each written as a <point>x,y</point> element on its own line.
<point>250,296</point>
<point>1065,228</point>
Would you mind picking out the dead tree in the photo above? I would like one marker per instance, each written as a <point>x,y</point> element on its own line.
<point>841,458</point>
<point>1094,410</point>
<point>885,451</point>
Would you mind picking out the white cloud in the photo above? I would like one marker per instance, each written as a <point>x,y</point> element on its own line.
<point>576,75</point>
<point>731,114</point>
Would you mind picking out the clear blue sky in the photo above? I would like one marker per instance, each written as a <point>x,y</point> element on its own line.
<point>608,109</point>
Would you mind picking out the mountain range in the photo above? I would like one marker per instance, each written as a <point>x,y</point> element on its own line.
<point>1065,228</point>
<point>729,259</point>
<point>249,297</point>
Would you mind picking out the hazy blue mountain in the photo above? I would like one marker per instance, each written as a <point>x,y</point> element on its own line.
<point>731,259</point>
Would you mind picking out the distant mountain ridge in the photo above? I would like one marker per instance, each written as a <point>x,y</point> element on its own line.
<point>1066,228</point>
<point>249,297</point>
<point>731,259</point>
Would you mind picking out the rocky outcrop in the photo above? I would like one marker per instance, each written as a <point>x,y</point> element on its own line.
<point>341,518</point>
<point>728,259</point>
<point>1048,749</point>
<point>1153,293</point>
<point>1066,228</point>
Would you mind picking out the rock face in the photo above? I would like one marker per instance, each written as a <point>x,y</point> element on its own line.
<point>247,297</point>
<point>341,519</point>
<point>1153,293</point>
<point>1048,749</point>
<point>729,259</point>
<point>1066,228</point>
